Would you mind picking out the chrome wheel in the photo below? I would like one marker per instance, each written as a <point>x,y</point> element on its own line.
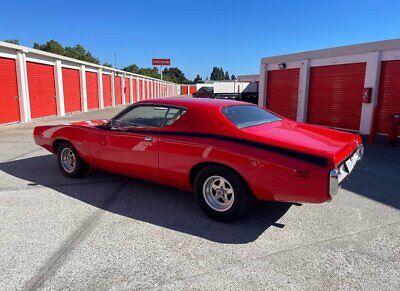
<point>68,160</point>
<point>218,193</point>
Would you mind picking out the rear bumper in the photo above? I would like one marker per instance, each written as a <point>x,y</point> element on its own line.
<point>342,171</point>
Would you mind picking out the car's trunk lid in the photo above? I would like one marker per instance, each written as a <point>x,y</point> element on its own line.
<point>333,145</point>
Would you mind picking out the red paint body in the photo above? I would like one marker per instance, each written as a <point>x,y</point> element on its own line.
<point>171,156</point>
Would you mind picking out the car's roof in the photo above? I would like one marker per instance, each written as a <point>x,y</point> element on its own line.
<point>194,102</point>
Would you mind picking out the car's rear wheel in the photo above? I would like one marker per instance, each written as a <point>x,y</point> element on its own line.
<point>70,162</point>
<point>221,193</point>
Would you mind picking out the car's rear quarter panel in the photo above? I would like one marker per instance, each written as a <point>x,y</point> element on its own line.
<point>46,136</point>
<point>269,175</point>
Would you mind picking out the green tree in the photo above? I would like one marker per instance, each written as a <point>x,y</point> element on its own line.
<point>174,75</point>
<point>106,64</point>
<point>198,79</point>
<point>226,77</point>
<point>217,74</point>
<point>233,77</point>
<point>132,68</point>
<point>76,52</point>
<point>13,41</point>
<point>80,53</point>
<point>150,72</point>
<point>52,46</point>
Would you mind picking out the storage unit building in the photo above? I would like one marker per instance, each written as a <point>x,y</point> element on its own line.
<point>35,84</point>
<point>356,87</point>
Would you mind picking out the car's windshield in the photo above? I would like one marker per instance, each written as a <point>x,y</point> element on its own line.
<point>248,115</point>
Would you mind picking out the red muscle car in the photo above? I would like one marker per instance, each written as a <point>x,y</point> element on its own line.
<point>228,153</point>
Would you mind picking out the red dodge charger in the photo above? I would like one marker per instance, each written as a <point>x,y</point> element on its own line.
<point>228,153</point>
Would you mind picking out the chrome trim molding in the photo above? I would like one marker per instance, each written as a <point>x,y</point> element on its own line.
<point>336,176</point>
<point>333,182</point>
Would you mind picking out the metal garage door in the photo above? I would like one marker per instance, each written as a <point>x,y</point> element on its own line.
<point>184,90</point>
<point>335,95</point>
<point>192,89</point>
<point>72,90</point>
<point>146,91</point>
<point>9,103</point>
<point>118,91</point>
<point>107,97</point>
<point>389,95</point>
<point>92,90</point>
<point>42,92</point>
<point>127,90</point>
<point>282,92</point>
<point>140,97</point>
<point>134,90</point>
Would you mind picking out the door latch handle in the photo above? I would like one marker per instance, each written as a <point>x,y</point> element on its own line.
<point>148,138</point>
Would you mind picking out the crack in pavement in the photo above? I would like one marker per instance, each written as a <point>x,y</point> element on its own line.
<point>237,263</point>
<point>54,263</point>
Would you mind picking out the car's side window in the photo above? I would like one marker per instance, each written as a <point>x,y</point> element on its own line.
<point>173,115</point>
<point>144,116</point>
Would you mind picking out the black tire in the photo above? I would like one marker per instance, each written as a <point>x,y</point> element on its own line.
<point>79,169</point>
<point>243,198</point>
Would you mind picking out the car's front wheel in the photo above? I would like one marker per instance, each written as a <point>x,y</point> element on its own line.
<point>70,162</point>
<point>221,193</point>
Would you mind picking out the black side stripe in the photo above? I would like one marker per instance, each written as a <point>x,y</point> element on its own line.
<point>313,159</point>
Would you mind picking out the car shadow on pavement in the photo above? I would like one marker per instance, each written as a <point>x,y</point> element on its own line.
<point>377,176</point>
<point>148,202</point>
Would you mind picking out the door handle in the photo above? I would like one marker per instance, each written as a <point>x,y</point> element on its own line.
<point>148,138</point>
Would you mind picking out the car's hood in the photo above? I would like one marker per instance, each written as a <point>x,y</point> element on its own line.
<point>332,144</point>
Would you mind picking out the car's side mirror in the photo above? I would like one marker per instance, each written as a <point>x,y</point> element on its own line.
<point>113,125</point>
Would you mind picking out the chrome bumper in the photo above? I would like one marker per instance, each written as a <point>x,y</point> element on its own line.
<point>336,176</point>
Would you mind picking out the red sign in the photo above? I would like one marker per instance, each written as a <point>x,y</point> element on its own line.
<point>161,62</point>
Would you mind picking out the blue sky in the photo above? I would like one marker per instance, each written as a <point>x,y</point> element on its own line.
<point>198,35</point>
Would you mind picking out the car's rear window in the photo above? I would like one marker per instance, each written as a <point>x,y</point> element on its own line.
<point>248,115</point>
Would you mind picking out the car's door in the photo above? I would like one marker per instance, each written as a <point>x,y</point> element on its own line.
<point>130,144</point>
